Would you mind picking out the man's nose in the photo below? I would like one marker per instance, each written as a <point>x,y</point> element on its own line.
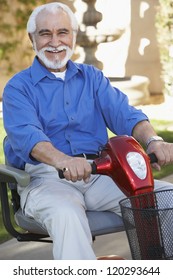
<point>55,40</point>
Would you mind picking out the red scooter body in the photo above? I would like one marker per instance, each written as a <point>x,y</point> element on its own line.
<point>113,162</point>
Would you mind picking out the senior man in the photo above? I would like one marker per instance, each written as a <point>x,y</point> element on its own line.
<point>54,112</point>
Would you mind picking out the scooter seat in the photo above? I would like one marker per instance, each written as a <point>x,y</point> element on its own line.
<point>100,223</point>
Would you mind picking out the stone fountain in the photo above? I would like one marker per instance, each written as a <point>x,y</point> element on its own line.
<point>89,37</point>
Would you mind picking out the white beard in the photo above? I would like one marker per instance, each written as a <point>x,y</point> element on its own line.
<point>57,63</point>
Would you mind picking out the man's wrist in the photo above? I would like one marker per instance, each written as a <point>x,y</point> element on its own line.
<point>153,138</point>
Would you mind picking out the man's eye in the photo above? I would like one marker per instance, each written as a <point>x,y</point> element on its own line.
<point>63,32</point>
<point>45,34</point>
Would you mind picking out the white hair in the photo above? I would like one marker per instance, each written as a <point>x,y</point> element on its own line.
<point>51,8</point>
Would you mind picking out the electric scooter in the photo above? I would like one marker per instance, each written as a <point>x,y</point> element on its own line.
<point>125,161</point>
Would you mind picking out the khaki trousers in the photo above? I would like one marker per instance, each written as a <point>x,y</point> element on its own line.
<point>60,207</point>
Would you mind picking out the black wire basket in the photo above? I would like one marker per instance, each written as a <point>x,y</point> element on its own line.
<point>148,221</point>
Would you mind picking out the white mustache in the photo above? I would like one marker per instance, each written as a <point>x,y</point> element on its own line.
<point>60,48</point>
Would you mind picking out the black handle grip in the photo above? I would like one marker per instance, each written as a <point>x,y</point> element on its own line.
<point>93,168</point>
<point>61,174</point>
<point>153,158</point>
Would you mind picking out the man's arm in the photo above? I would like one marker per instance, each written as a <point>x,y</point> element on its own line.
<point>143,131</point>
<point>77,168</point>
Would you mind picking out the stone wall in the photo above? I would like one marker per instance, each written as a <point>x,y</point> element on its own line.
<point>136,52</point>
<point>144,60</point>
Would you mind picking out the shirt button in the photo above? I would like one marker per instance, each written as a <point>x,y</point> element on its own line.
<point>67,102</point>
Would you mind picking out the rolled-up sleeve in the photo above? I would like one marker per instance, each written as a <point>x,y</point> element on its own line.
<point>21,122</point>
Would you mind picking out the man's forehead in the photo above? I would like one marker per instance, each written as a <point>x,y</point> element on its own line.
<point>59,19</point>
<point>44,14</point>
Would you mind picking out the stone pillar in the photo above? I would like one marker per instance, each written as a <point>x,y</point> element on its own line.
<point>143,55</point>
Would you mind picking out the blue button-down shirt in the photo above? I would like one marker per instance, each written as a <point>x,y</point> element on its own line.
<point>73,114</point>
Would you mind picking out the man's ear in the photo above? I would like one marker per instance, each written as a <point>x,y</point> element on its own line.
<point>30,37</point>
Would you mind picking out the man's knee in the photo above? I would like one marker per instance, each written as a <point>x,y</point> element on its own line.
<point>65,211</point>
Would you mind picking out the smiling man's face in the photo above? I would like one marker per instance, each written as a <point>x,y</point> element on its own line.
<point>53,40</point>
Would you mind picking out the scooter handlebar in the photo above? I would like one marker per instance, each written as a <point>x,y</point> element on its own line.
<point>93,170</point>
<point>152,158</point>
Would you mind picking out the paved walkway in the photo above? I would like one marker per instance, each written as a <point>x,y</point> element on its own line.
<point>103,245</point>
<point>159,109</point>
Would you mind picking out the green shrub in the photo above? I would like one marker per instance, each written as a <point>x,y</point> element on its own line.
<point>164,25</point>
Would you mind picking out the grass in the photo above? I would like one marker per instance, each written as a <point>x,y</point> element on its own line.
<point>163,128</point>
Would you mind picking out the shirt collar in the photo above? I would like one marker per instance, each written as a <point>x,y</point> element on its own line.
<point>38,71</point>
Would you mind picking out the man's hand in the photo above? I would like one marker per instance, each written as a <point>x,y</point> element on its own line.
<point>74,168</point>
<point>163,152</point>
